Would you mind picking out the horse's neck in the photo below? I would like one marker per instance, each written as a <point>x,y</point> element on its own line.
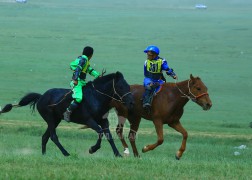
<point>103,85</point>
<point>104,88</point>
<point>98,95</point>
<point>183,87</point>
<point>181,90</point>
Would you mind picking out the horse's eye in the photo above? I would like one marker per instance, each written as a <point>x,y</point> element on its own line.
<point>198,89</point>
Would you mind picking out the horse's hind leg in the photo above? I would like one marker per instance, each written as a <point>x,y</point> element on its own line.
<point>52,125</point>
<point>45,138</point>
<point>105,126</point>
<point>55,139</point>
<point>159,129</point>
<point>178,127</point>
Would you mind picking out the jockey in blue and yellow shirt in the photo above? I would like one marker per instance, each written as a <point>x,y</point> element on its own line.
<point>153,73</point>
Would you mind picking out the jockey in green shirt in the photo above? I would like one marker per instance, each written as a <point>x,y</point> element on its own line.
<point>80,66</point>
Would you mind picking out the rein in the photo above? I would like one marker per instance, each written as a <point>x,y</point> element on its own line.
<point>115,93</point>
<point>194,98</point>
<point>61,99</point>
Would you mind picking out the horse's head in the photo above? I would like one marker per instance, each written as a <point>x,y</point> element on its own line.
<point>198,92</point>
<point>122,90</point>
<point>115,87</point>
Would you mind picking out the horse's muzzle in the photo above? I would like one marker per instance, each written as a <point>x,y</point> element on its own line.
<point>207,106</point>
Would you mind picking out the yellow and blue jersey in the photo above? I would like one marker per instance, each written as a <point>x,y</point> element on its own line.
<point>153,70</point>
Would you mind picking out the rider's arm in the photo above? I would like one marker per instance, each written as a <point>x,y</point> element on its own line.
<point>93,72</point>
<point>79,68</point>
<point>169,71</point>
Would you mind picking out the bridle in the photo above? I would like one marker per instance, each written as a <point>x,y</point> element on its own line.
<point>194,98</point>
<point>114,93</point>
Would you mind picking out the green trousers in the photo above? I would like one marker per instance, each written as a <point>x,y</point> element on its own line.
<point>77,90</point>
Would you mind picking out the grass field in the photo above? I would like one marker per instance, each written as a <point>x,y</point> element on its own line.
<point>39,39</point>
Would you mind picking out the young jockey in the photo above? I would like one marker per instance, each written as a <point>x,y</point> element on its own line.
<point>153,67</point>
<point>80,67</point>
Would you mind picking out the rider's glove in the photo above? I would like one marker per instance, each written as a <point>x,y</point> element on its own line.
<point>171,73</point>
<point>75,82</point>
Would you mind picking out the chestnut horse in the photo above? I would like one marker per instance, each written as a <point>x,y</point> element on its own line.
<point>167,108</point>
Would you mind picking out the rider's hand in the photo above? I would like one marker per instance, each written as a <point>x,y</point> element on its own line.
<point>75,82</point>
<point>174,77</point>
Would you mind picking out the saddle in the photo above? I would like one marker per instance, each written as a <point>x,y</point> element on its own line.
<point>157,87</point>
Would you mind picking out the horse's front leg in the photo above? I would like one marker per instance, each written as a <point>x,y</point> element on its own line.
<point>178,127</point>
<point>97,145</point>
<point>93,125</point>
<point>159,129</point>
<point>119,132</point>
<point>134,125</point>
<point>107,133</point>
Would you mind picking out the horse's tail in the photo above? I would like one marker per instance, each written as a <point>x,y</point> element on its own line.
<point>31,98</point>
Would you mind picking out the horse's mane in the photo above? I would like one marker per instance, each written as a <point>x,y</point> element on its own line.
<point>105,78</point>
<point>173,84</point>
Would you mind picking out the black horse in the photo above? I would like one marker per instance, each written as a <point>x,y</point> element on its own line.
<point>96,102</point>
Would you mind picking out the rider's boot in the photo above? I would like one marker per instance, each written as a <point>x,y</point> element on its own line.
<point>69,110</point>
<point>147,99</point>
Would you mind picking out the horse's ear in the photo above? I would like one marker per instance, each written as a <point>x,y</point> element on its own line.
<point>119,74</point>
<point>191,77</point>
<point>103,72</point>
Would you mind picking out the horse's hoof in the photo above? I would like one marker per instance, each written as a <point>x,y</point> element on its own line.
<point>91,151</point>
<point>145,149</point>
<point>137,156</point>
<point>126,154</point>
<point>66,154</point>
<point>177,158</point>
<point>118,155</point>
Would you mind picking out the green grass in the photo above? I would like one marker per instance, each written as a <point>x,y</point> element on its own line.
<point>207,157</point>
<point>39,39</point>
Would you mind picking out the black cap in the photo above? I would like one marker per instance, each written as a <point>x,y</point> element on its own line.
<point>88,51</point>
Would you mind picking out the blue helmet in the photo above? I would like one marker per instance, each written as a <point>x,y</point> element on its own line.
<point>152,48</point>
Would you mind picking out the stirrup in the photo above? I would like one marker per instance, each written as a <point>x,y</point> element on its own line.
<point>67,115</point>
<point>146,105</point>
<point>147,108</point>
